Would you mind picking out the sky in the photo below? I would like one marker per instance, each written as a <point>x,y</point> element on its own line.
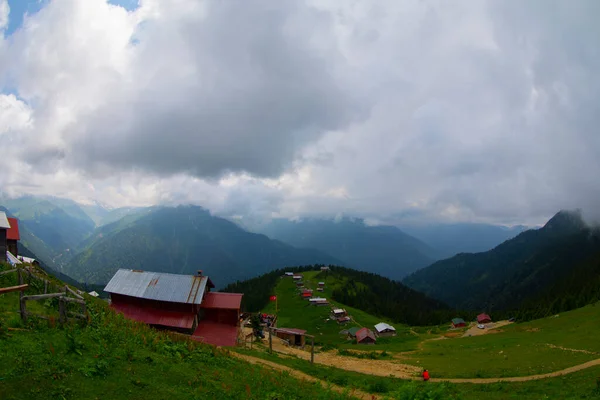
<point>422,110</point>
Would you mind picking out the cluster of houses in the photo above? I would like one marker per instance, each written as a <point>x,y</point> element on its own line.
<point>367,336</point>
<point>482,318</point>
<point>306,293</point>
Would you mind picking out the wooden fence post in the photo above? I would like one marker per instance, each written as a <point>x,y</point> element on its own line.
<point>23,307</point>
<point>45,286</point>
<point>270,340</point>
<point>62,311</point>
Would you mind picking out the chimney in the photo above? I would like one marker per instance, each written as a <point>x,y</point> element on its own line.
<point>199,273</point>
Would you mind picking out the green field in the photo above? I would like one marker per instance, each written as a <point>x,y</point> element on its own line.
<point>113,358</point>
<point>518,349</point>
<point>294,312</point>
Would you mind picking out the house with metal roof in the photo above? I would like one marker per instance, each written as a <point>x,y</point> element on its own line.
<point>4,227</point>
<point>458,322</point>
<point>182,303</point>
<point>352,332</point>
<point>365,336</point>
<point>294,337</point>
<point>483,318</point>
<point>382,329</point>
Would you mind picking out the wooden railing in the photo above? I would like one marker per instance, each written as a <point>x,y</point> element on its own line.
<point>62,295</point>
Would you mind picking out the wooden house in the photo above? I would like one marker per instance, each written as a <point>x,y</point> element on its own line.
<point>295,337</point>
<point>365,336</point>
<point>4,227</point>
<point>324,268</point>
<point>13,236</point>
<point>352,332</point>
<point>483,318</point>
<point>182,303</point>
<point>458,322</point>
<point>383,330</point>
<point>321,284</point>
<point>320,289</point>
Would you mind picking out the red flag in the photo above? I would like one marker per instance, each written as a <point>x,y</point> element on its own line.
<point>272,298</point>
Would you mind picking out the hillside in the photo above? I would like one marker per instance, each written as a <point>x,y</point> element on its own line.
<point>50,227</point>
<point>384,250</point>
<point>561,258</point>
<point>183,240</point>
<point>454,238</point>
<point>110,357</point>
<point>373,294</point>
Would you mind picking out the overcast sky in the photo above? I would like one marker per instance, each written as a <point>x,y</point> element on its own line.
<point>436,110</point>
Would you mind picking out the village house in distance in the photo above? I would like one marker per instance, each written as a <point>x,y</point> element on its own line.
<point>182,303</point>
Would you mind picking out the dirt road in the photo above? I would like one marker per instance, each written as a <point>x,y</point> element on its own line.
<point>565,371</point>
<point>302,376</point>
<point>489,328</point>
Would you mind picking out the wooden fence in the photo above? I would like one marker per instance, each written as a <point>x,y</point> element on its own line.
<point>62,295</point>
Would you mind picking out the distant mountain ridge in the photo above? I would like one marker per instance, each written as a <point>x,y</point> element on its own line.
<point>522,270</point>
<point>384,250</point>
<point>183,240</point>
<point>449,239</point>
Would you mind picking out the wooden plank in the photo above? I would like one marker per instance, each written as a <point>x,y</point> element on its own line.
<point>82,316</point>
<point>9,271</point>
<point>70,300</point>
<point>43,296</point>
<point>62,311</point>
<point>74,293</point>
<point>19,288</point>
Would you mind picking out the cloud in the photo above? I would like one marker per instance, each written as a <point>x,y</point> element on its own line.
<point>478,111</point>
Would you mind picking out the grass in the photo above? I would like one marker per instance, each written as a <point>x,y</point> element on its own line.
<point>581,385</point>
<point>294,312</point>
<point>518,349</point>
<point>114,358</point>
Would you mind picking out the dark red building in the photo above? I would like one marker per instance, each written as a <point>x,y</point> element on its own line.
<point>365,336</point>
<point>483,318</point>
<point>13,236</point>
<point>182,303</point>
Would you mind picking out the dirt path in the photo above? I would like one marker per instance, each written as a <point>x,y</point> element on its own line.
<point>573,350</point>
<point>489,328</point>
<point>305,377</point>
<point>565,371</point>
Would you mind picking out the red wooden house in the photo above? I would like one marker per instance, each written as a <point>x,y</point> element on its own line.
<point>182,303</point>
<point>458,322</point>
<point>365,336</point>
<point>13,236</point>
<point>483,318</point>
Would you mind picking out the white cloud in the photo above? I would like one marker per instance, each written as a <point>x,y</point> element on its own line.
<point>472,111</point>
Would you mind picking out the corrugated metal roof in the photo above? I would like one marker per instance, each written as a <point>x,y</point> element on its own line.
<point>229,301</point>
<point>352,331</point>
<point>12,259</point>
<point>291,331</point>
<point>153,316</point>
<point>483,317</point>
<point>457,321</point>
<point>4,224</point>
<point>364,333</point>
<point>382,326</point>
<point>338,311</point>
<point>159,286</point>
<point>13,232</point>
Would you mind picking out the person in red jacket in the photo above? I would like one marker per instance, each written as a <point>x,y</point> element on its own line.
<point>425,375</point>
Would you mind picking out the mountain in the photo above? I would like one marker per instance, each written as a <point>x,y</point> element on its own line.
<point>103,215</point>
<point>562,259</point>
<point>183,240</point>
<point>452,239</point>
<point>384,250</point>
<point>50,227</point>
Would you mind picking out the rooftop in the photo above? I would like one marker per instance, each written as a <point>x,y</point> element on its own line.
<point>230,301</point>
<point>382,326</point>
<point>4,224</point>
<point>13,232</point>
<point>159,286</point>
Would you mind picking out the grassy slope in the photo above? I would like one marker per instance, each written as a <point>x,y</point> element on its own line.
<point>295,312</point>
<point>118,359</point>
<point>519,349</point>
